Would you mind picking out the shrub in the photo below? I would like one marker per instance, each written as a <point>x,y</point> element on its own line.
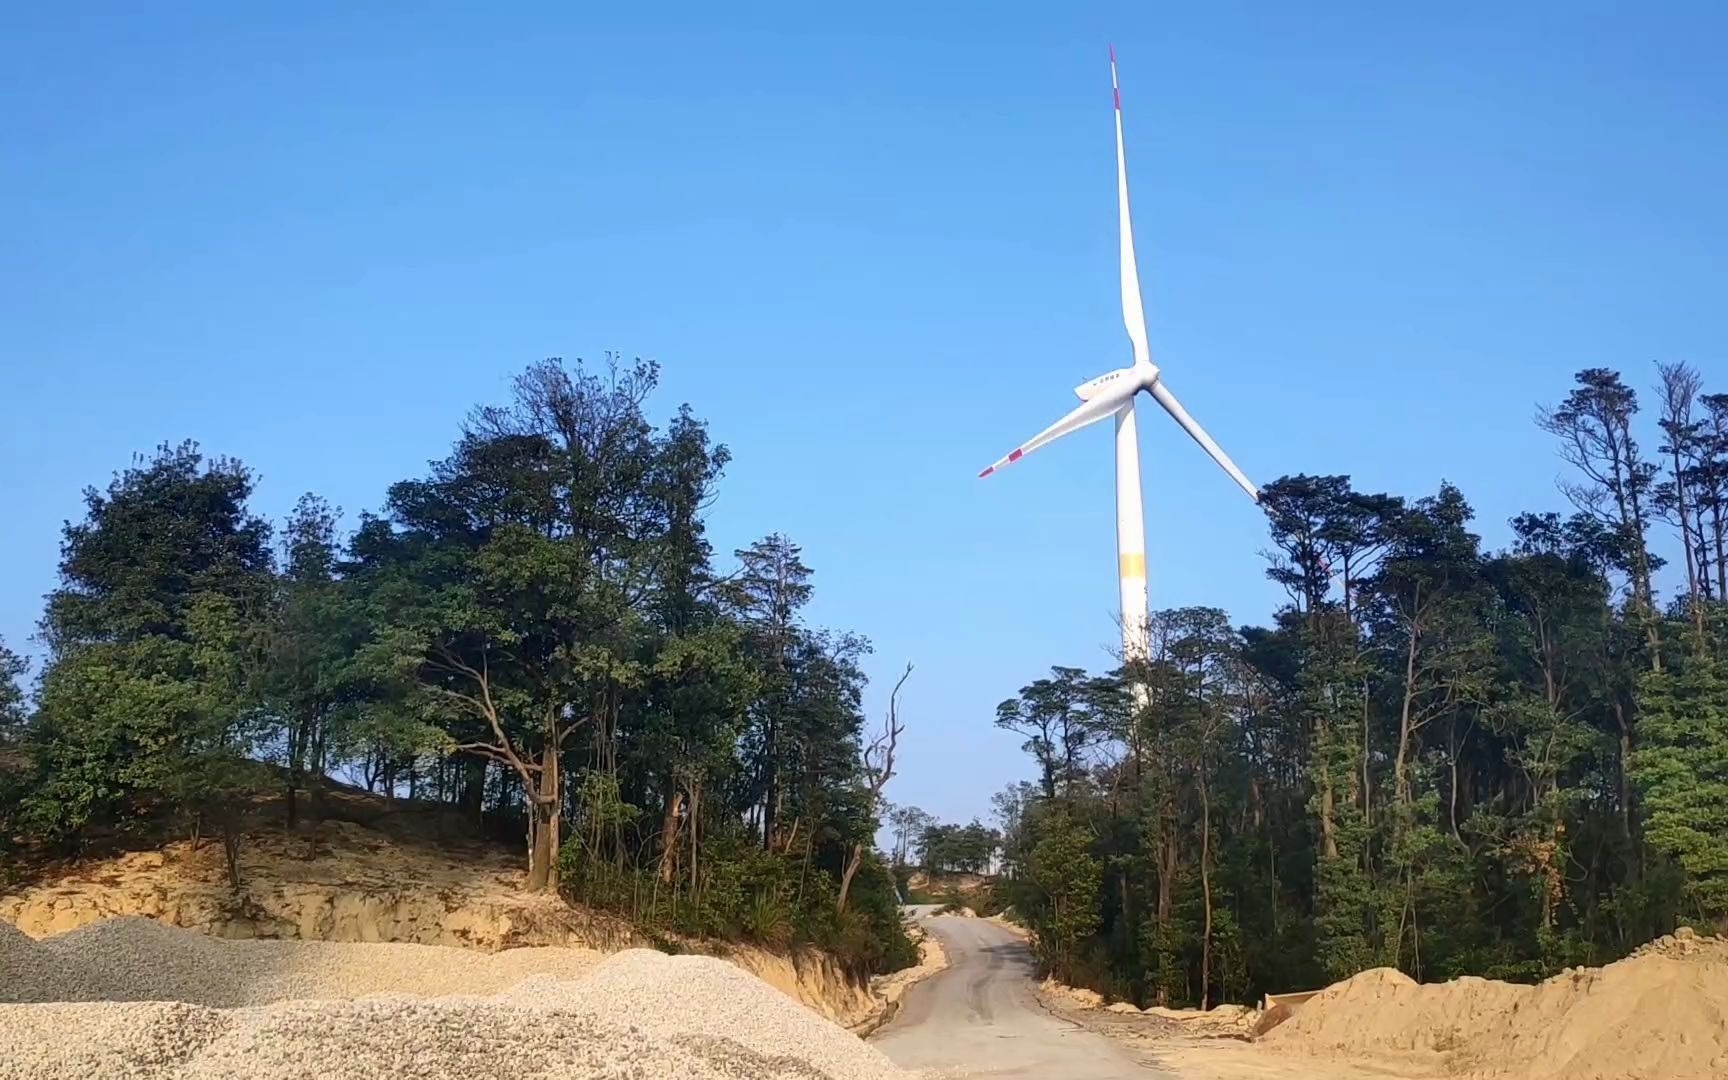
<point>774,900</point>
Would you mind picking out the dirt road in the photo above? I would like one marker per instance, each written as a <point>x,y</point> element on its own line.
<point>980,1017</point>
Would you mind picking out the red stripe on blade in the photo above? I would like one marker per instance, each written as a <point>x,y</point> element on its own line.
<point>1015,456</point>
<point>986,472</point>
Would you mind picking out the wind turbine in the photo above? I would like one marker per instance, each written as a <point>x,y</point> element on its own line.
<point>1113,394</point>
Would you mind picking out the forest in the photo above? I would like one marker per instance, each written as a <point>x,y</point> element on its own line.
<point>535,632</point>
<point>1437,757</point>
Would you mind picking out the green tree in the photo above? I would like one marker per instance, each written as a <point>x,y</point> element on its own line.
<point>14,716</point>
<point>147,697</point>
<point>13,710</point>
<point>908,824</point>
<point>1681,769</point>
<point>1551,620</point>
<point>513,573</point>
<point>1451,761</point>
<point>313,680</point>
<point>766,595</point>
<point>1063,877</point>
<point>698,679</point>
<point>1429,614</point>
<point>1054,716</point>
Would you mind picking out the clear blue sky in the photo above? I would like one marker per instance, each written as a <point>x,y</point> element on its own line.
<point>875,250</point>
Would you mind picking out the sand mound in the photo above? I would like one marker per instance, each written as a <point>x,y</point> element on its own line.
<point>1661,1013</point>
<point>1075,997</point>
<point>1233,1021</point>
<point>151,1001</point>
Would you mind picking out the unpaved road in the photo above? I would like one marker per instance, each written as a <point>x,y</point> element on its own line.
<point>980,1017</point>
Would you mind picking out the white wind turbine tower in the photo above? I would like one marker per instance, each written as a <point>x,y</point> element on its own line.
<point>1113,394</point>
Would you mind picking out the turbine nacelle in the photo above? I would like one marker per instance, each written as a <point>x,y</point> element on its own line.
<point>1122,381</point>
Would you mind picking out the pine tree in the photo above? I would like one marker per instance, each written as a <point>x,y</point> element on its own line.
<point>1681,769</point>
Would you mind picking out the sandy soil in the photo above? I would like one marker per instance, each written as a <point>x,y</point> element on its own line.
<point>1660,1014</point>
<point>377,870</point>
<point>1199,1060</point>
<point>1214,1055</point>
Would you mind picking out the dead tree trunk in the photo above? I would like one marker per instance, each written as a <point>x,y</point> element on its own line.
<point>695,804</point>
<point>878,770</point>
<point>673,803</point>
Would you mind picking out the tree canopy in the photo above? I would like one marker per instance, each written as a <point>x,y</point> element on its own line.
<point>1437,757</point>
<point>534,631</point>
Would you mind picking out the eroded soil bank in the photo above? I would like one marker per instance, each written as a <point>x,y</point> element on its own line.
<point>380,872</point>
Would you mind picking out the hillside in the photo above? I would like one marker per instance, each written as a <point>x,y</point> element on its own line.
<point>374,870</point>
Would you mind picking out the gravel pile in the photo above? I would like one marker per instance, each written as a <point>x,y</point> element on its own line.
<point>26,970</point>
<point>134,999</point>
<point>370,1039</point>
<point>134,959</point>
<point>656,992</point>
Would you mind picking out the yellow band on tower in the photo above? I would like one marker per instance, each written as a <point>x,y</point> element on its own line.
<point>1132,565</point>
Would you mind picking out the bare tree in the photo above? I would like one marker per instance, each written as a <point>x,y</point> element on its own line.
<point>878,770</point>
<point>1594,426</point>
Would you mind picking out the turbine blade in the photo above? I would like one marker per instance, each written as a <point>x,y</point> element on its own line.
<point>1133,314</point>
<point>1180,415</point>
<point>1089,412</point>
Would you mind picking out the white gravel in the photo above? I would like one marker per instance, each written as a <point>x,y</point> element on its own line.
<point>731,1005</point>
<point>134,959</point>
<point>133,999</point>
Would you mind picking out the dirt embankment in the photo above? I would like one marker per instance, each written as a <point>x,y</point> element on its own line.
<point>944,883</point>
<point>155,1002</point>
<point>353,884</point>
<point>1660,1014</point>
<point>375,871</point>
